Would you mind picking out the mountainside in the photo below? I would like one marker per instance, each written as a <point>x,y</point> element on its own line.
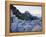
<point>23,16</point>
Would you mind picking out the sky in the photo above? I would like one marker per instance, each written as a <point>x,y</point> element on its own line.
<point>34,10</point>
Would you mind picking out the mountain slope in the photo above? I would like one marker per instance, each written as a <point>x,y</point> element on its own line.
<point>23,16</point>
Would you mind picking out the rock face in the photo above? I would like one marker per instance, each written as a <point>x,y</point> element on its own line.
<point>24,22</point>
